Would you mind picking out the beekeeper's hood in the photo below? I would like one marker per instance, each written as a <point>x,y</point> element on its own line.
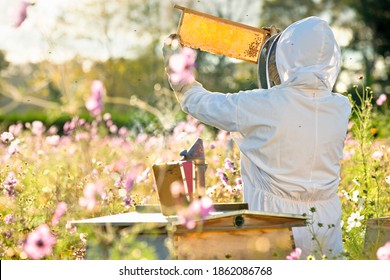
<point>307,55</point>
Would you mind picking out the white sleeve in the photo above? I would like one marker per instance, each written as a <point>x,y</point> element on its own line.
<point>213,108</point>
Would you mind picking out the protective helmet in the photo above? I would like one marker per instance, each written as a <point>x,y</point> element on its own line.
<point>267,71</point>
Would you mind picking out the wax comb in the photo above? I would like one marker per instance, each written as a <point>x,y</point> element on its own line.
<point>220,36</point>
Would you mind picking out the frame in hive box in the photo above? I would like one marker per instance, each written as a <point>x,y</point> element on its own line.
<point>242,234</point>
<point>220,36</point>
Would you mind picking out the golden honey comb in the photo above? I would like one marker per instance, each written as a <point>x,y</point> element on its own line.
<point>220,36</point>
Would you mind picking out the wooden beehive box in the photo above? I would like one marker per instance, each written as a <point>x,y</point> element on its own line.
<point>377,234</point>
<point>232,232</point>
<point>149,226</point>
<point>242,234</point>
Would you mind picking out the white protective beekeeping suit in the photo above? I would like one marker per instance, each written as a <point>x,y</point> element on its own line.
<point>291,136</point>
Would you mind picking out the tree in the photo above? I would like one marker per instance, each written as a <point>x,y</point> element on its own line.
<point>366,20</point>
<point>3,62</point>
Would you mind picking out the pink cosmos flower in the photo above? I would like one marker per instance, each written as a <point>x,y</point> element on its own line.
<point>122,131</point>
<point>106,117</point>
<point>141,138</point>
<point>185,77</point>
<point>83,238</point>
<point>295,254</point>
<point>145,200</point>
<point>202,207</point>
<point>229,164</point>
<point>198,209</point>
<point>21,13</point>
<point>91,192</point>
<point>9,185</point>
<point>144,176</point>
<point>177,62</point>
<point>8,233</point>
<point>70,228</point>
<point>37,128</point>
<point>61,209</point>
<point>210,191</point>
<point>113,129</point>
<point>181,66</point>
<point>348,154</point>
<point>53,140</point>
<point>177,189</point>
<point>6,137</point>
<point>9,219</point>
<point>377,155</point>
<point>350,125</point>
<point>39,243</point>
<point>52,130</point>
<point>128,182</point>
<point>69,126</point>
<point>381,99</point>
<point>15,129</point>
<point>183,128</point>
<point>10,180</point>
<point>186,218</point>
<point>222,175</point>
<point>127,201</point>
<point>237,189</point>
<point>94,103</point>
<point>383,252</point>
<point>190,56</point>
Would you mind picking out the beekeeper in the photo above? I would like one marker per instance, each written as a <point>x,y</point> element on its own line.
<point>290,135</point>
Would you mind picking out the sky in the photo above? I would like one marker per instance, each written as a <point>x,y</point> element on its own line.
<point>26,42</point>
<point>35,40</point>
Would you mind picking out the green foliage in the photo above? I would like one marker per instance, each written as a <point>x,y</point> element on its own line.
<point>129,118</point>
<point>3,62</point>
<point>366,164</point>
<point>51,168</point>
<point>106,243</point>
<point>364,21</point>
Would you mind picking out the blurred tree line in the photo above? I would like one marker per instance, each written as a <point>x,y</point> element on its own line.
<point>130,34</point>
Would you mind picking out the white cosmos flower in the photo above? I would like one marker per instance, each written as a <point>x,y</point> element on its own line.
<point>354,220</point>
<point>355,196</point>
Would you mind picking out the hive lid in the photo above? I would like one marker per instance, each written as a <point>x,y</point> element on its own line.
<point>219,207</point>
<point>127,219</point>
<point>245,220</point>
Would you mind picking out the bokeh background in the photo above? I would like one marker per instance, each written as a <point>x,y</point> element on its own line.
<point>86,110</point>
<point>48,63</point>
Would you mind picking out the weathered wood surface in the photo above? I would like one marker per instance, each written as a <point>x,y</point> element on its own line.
<point>266,244</point>
<point>377,234</point>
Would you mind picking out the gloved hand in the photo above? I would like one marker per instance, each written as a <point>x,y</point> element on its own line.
<point>272,29</point>
<point>179,65</point>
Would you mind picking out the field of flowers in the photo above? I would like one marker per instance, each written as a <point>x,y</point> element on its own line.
<point>95,169</point>
<point>50,176</point>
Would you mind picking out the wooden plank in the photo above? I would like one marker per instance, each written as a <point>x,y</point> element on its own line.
<point>237,245</point>
<point>221,221</point>
<point>219,207</point>
<point>127,219</point>
<point>377,234</point>
<point>243,222</point>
